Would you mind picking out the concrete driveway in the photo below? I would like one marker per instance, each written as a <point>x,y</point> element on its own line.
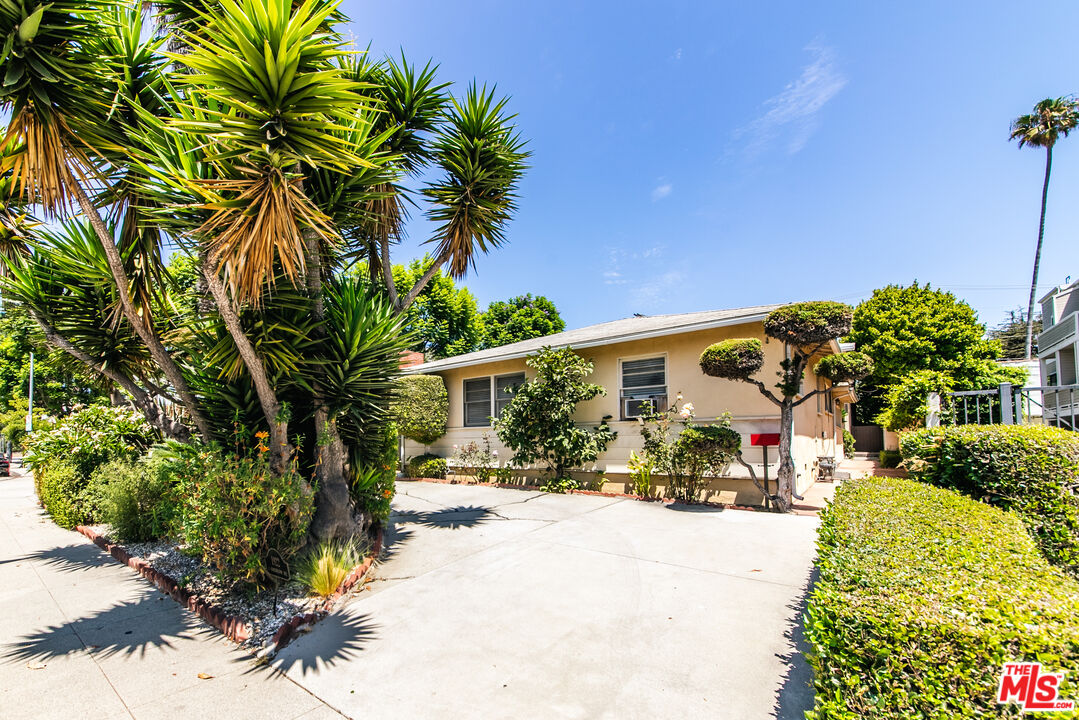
<point>494,603</point>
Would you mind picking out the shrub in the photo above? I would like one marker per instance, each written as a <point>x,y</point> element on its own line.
<point>538,424</point>
<point>890,458</point>
<point>732,359</point>
<point>420,407</point>
<point>477,457</point>
<point>235,511</point>
<point>325,567</point>
<point>1031,469</point>
<point>848,443</point>
<point>640,474</point>
<point>137,499</point>
<point>685,458</point>
<point>922,596</point>
<point>62,490</point>
<point>374,475</point>
<point>90,438</point>
<point>427,466</point>
<point>907,402</point>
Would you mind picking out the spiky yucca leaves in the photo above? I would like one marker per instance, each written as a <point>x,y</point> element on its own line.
<point>65,280</point>
<point>483,159</point>
<point>45,87</point>
<point>275,97</point>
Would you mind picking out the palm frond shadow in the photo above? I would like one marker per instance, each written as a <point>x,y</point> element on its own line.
<point>452,518</point>
<point>133,627</point>
<point>67,558</point>
<point>337,638</point>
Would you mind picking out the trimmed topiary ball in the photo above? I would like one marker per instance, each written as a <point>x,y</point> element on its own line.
<point>807,323</point>
<point>845,367</point>
<point>735,359</point>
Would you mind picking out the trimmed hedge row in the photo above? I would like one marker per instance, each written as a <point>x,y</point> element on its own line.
<point>1031,469</point>
<point>922,596</point>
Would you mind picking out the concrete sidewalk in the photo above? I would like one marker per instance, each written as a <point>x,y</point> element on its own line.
<point>82,636</point>
<point>496,603</point>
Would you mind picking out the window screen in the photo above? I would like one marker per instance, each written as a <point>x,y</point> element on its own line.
<point>478,402</point>
<point>505,386</point>
<point>644,387</point>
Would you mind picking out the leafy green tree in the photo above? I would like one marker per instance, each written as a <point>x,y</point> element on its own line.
<point>1051,119</point>
<point>805,329</point>
<point>443,317</point>
<point>1011,334</point>
<point>59,382</point>
<point>520,318</point>
<point>905,329</point>
<point>538,425</point>
<point>421,407</point>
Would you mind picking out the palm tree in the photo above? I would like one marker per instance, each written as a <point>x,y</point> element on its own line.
<point>1050,120</point>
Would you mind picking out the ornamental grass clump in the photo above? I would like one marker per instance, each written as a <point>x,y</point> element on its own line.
<point>922,596</point>
<point>325,567</point>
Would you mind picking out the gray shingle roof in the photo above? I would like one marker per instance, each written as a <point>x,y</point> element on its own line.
<point>633,328</point>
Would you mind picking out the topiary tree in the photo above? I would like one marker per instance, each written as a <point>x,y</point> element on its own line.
<point>538,422</point>
<point>420,407</point>
<point>804,328</point>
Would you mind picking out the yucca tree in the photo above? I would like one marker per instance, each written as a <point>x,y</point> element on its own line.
<point>1051,120</point>
<point>60,134</point>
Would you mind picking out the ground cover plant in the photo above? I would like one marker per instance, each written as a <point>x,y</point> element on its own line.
<point>1030,469</point>
<point>922,596</point>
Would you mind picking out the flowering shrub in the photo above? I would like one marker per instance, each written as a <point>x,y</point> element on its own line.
<point>686,457</point>
<point>235,512</point>
<point>477,457</point>
<point>89,438</point>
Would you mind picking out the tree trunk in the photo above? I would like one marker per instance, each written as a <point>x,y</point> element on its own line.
<point>333,517</point>
<point>280,448</point>
<point>1038,254</point>
<point>141,328</point>
<point>140,398</point>
<point>785,475</point>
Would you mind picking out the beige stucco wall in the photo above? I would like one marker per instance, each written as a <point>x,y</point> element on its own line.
<point>815,433</point>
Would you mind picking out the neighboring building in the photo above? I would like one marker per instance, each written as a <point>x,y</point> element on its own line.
<point>644,363</point>
<point>1058,346</point>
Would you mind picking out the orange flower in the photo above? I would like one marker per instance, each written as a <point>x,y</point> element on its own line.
<point>387,494</point>
<point>262,434</point>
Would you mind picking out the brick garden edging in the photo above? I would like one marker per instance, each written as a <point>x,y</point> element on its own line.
<point>232,626</point>
<point>534,488</point>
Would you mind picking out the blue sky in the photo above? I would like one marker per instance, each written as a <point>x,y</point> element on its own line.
<point>690,156</point>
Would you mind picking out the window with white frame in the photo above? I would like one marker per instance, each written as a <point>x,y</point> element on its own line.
<point>486,397</point>
<point>644,387</point>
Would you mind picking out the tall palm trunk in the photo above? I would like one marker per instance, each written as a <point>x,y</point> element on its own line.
<point>333,517</point>
<point>276,418</point>
<point>142,328</point>
<point>1038,253</point>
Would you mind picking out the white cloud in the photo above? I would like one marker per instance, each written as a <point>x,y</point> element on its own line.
<point>661,191</point>
<point>794,111</point>
<point>677,55</point>
<point>656,292</point>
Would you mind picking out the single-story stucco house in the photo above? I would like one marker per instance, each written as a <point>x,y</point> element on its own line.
<point>644,363</point>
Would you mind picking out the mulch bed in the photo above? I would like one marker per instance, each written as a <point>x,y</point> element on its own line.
<point>263,621</point>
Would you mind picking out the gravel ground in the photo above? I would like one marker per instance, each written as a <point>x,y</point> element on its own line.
<point>255,607</point>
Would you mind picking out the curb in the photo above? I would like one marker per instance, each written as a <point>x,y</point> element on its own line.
<point>233,627</point>
<point>627,496</point>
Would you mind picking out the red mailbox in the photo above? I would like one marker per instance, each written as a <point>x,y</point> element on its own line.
<point>764,441</point>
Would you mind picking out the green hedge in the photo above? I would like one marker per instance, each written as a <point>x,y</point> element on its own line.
<point>420,407</point>
<point>1031,469</point>
<point>62,490</point>
<point>922,596</point>
<point>427,466</point>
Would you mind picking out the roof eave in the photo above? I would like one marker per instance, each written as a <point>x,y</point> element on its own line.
<point>611,340</point>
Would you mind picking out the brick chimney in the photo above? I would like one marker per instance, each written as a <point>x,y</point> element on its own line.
<point>411,359</point>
